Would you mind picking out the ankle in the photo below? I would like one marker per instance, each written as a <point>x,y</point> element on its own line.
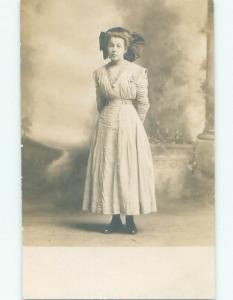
<point>116,217</point>
<point>129,219</point>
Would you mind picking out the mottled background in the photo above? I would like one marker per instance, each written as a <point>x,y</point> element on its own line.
<point>60,50</point>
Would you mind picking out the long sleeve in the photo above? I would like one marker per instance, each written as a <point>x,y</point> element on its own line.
<point>142,100</point>
<point>100,101</point>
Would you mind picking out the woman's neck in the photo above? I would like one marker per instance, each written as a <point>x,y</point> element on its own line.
<point>117,63</point>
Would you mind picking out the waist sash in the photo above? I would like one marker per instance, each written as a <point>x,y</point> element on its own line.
<point>118,100</point>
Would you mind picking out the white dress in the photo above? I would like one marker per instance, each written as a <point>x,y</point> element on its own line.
<point>120,175</point>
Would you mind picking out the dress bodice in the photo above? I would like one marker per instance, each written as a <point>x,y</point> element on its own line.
<point>131,84</point>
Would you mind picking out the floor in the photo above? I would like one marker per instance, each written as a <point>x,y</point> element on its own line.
<point>184,223</point>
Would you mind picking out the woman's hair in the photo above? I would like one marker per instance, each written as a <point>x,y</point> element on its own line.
<point>133,42</point>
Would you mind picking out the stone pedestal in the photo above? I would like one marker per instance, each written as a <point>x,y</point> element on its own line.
<point>177,177</point>
<point>204,156</point>
<point>173,166</point>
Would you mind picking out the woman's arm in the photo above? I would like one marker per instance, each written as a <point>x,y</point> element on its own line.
<point>100,101</point>
<point>142,100</point>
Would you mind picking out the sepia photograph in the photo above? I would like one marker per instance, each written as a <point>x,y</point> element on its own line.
<point>117,123</point>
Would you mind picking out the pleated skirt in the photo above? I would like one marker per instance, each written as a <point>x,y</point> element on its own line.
<point>120,175</point>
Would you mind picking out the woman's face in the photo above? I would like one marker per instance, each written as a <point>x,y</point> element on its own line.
<point>116,48</point>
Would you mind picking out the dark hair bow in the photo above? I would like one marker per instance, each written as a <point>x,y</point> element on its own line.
<point>103,40</point>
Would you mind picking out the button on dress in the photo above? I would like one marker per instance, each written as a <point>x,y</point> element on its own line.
<point>120,175</point>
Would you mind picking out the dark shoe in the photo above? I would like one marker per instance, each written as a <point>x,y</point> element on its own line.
<point>114,226</point>
<point>130,225</point>
<point>131,228</point>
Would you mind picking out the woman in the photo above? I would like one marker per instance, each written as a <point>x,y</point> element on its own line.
<point>120,174</point>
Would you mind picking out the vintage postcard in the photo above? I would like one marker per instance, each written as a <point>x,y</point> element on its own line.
<point>117,111</point>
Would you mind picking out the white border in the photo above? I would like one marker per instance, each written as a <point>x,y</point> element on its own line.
<point>224,146</point>
<point>10,165</point>
<point>118,273</point>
